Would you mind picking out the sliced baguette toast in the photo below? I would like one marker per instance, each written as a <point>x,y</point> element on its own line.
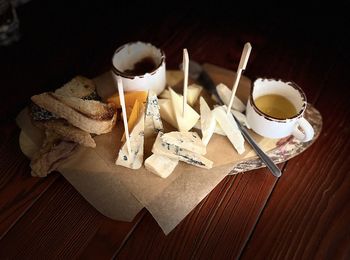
<point>78,112</point>
<point>67,131</point>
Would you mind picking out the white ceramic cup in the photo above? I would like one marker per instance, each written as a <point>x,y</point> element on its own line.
<point>125,58</point>
<point>271,127</point>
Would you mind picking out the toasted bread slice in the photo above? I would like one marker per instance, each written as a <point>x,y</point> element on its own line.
<point>79,87</point>
<point>88,115</point>
<point>67,131</point>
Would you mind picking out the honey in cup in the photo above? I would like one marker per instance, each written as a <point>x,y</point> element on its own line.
<point>275,109</point>
<point>276,106</point>
<point>141,67</point>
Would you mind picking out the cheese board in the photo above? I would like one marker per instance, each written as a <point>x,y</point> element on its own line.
<point>120,193</point>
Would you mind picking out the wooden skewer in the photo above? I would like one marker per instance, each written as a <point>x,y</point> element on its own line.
<point>185,64</point>
<point>125,119</point>
<point>242,65</point>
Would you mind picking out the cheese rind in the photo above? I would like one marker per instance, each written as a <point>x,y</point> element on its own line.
<point>153,122</point>
<point>135,159</point>
<point>175,152</point>
<point>225,95</point>
<point>161,165</point>
<point>229,126</point>
<point>208,122</point>
<point>185,140</point>
<point>190,117</point>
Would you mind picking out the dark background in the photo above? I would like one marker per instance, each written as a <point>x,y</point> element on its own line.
<point>65,38</point>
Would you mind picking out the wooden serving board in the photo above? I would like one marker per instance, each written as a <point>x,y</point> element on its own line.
<point>120,193</point>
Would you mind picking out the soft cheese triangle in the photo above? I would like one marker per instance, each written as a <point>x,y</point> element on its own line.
<point>225,95</point>
<point>208,122</point>
<point>185,140</point>
<point>135,159</point>
<point>167,112</point>
<point>161,165</point>
<point>190,118</point>
<point>175,152</point>
<point>153,122</point>
<point>229,126</point>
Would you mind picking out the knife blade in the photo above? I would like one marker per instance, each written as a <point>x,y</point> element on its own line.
<point>196,72</point>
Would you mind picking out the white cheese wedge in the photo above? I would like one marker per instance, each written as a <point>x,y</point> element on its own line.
<point>190,118</point>
<point>167,112</point>
<point>208,122</point>
<point>185,140</point>
<point>160,165</point>
<point>239,116</point>
<point>135,159</point>
<point>225,95</point>
<point>193,92</point>
<point>217,129</point>
<point>177,153</point>
<point>153,122</point>
<point>229,126</point>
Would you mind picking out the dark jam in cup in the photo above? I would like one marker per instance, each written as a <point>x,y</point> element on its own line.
<point>146,65</point>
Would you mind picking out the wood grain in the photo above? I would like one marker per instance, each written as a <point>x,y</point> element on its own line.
<point>308,212</point>
<point>18,190</point>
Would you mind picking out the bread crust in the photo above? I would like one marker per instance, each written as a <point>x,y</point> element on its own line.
<point>99,122</point>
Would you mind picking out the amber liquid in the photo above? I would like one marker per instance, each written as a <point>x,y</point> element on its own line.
<point>276,106</point>
<point>146,65</point>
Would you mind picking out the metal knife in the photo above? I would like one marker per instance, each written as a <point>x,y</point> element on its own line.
<point>196,72</point>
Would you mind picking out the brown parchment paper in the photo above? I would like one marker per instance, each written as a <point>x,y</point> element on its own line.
<point>120,193</point>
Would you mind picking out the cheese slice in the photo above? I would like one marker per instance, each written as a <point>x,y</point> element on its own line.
<point>130,98</point>
<point>229,126</point>
<point>153,122</point>
<point>190,118</point>
<point>208,122</point>
<point>193,92</point>
<point>161,165</point>
<point>177,153</point>
<point>135,159</point>
<point>225,95</point>
<point>185,140</point>
<point>167,112</point>
<point>217,129</point>
<point>133,118</point>
<point>239,116</point>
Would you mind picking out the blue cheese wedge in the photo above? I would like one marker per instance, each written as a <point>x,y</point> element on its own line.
<point>229,126</point>
<point>153,122</point>
<point>161,165</point>
<point>135,159</point>
<point>225,95</point>
<point>208,122</point>
<point>177,153</point>
<point>185,140</point>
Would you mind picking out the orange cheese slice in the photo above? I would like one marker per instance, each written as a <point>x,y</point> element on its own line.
<point>134,116</point>
<point>130,98</point>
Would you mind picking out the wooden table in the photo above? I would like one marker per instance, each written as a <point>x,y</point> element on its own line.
<point>304,214</point>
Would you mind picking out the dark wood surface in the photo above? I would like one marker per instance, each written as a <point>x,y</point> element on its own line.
<point>302,215</point>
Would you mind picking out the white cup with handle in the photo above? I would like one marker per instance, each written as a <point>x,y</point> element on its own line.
<point>275,109</point>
